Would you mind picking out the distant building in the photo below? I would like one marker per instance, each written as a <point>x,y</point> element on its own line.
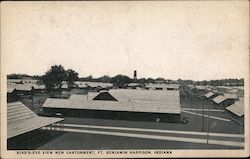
<point>210,95</point>
<point>238,90</point>
<point>162,86</point>
<point>133,85</point>
<point>221,102</point>
<point>200,90</point>
<point>78,91</point>
<point>25,88</point>
<point>94,85</point>
<point>223,89</point>
<point>64,94</point>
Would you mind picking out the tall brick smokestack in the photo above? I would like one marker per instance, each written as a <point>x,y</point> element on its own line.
<point>135,74</point>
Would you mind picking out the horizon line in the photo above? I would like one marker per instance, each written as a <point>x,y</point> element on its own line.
<point>96,77</point>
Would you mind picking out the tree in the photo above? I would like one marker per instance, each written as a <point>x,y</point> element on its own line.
<point>72,76</point>
<point>121,80</point>
<point>150,80</point>
<point>17,76</point>
<point>89,78</point>
<point>54,77</point>
<point>104,78</point>
<point>160,79</point>
<point>142,80</point>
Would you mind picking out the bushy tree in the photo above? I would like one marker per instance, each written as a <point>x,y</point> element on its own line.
<point>54,77</point>
<point>150,80</point>
<point>121,80</point>
<point>71,77</point>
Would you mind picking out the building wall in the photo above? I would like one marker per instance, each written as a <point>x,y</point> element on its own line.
<point>31,140</point>
<point>117,115</point>
<point>12,97</point>
<point>225,104</point>
<point>21,92</point>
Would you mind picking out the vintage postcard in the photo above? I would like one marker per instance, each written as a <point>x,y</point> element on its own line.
<point>124,79</point>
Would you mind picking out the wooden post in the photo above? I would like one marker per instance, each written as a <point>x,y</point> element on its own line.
<point>203,114</point>
<point>208,122</point>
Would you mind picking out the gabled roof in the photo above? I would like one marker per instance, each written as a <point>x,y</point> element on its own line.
<point>230,96</point>
<point>219,99</point>
<point>133,84</point>
<point>23,80</point>
<point>191,86</point>
<point>224,87</point>
<point>172,107</point>
<point>124,95</point>
<point>209,94</point>
<point>239,87</point>
<point>88,96</point>
<point>105,96</point>
<point>10,90</point>
<point>237,108</point>
<point>128,100</point>
<point>162,85</point>
<point>24,87</point>
<point>82,84</point>
<point>20,119</point>
<point>78,91</point>
<point>200,87</point>
<point>233,91</point>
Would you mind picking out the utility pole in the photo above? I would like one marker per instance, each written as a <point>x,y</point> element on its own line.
<point>197,100</point>
<point>32,96</point>
<point>202,113</point>
<point>208,122</point>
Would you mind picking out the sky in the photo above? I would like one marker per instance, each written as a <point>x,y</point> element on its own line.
<point>197,40</point>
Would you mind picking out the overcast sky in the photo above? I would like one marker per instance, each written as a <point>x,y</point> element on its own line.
<point>188,40</point>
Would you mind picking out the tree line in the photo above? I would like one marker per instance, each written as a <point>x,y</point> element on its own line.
<point>57,74</point>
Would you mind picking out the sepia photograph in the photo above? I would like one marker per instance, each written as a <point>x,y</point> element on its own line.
<point>124,79</point>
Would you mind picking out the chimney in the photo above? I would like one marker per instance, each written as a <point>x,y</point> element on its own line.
<point>135,74</point>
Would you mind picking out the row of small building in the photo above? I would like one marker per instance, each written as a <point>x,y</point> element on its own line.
<point>231,99</point>
<point>18,88</point>
<point>28,84</point>
<point>238,90</point>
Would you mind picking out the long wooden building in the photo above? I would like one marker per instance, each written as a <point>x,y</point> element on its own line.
<point>123,104</point>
